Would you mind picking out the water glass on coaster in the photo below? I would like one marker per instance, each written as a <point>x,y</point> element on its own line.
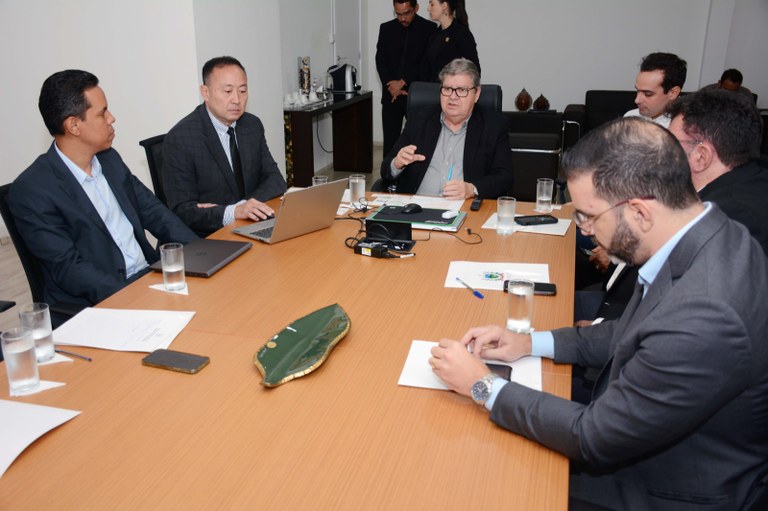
<point>505,215</point>
<point>520,309</point>
<point>37,318</point>
<point>172,259</point>
<point>356,188</point>
<point>18,347</point>
<point>544,187</point>
<point>319,180</point>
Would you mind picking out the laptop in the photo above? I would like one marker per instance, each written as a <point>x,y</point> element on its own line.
<point>302,211</point>
<point>204,257</point>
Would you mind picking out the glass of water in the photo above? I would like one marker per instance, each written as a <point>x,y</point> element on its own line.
<point>37,318</point>
<point>172,259</point>
<point>520,310</point>
<point>319,180</point>
<point>18,347</point>
<point>505,215</point>
<point>356,188</point>
<point>544,187</point>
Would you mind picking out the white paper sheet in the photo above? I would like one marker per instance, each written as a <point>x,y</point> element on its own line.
<point>491,275</point>
<point>122,329</point>
<point>44,385</point>
<point>418,373</point>
<point>558,229</point>
<point>22,424</point>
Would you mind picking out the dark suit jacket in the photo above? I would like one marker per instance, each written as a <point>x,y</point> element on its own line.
<point>80,259</point>
<point>742,194</point>
<point>444,46</point>
<point>487,155</point>
<point>395,60</point>
<point>679,415</point>
<point>196,169</point>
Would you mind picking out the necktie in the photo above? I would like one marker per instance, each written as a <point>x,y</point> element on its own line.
<point>237,166</point>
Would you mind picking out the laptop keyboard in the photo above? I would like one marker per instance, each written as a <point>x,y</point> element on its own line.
<point>263,233</point>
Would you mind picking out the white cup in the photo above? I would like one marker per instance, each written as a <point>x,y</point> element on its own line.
<point>37,318</point>
<point>544,188</point>
<point>18,347</point>
<point>505,215</point>
<point>356,188</point>
<point>319,180</point>
<point>520,305</point>
<point>172,259</point>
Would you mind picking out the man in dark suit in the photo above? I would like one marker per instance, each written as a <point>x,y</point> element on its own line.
<point>216,163</point>
<point>456,150</point>
<point>79,209</point>
<point>678,419</point>
<point>399,50</point>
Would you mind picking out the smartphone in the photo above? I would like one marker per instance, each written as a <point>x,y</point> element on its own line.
<point>475,206</point>
<point>587,252</point>
<point>539,288</point>
<point>176,361</point>
<point>501,370</point>
<point>536,220</point>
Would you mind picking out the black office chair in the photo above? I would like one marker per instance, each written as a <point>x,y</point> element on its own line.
<point>153,146</point>
<point>60,311</point>
<point>427,95</point>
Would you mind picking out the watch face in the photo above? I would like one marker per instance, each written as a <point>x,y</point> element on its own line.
<point>480,391</point>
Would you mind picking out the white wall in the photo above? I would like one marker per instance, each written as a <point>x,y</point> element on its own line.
<point>562,48</point>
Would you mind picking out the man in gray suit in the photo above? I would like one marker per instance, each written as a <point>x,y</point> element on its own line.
<point>217,166</point>
<point>679,415</point>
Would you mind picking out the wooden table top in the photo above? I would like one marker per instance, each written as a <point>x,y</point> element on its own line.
<point>344,437</point>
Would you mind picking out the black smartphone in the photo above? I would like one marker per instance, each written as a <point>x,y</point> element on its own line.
<point>536,220</point>
<point>176,361</point>
<point>539,288</point>
<point>475,204</point>
<point>501,370</point>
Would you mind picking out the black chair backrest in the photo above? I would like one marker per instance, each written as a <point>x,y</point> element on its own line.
<point>31,265</point>
<point>153,146</point>
<point>427,95</point>
<point>605,105</point>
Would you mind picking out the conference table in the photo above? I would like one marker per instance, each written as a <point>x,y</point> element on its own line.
<point>345,436</point>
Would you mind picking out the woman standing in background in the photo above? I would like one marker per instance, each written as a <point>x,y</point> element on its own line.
<point>452,41</point>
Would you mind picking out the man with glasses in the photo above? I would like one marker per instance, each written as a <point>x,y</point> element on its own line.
<point>678,417</point>
<point>455,151</point>
<point>216,164</point>
<point>401,45</point>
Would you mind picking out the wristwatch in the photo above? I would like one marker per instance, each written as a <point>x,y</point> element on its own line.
<point>481,390</point>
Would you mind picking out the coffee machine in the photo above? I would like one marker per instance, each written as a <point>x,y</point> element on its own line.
<point>342,78</point>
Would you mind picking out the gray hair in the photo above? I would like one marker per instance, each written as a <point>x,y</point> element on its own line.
<point>461,66</point>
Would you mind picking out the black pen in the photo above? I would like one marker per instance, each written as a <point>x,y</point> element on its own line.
<point>89,359</point>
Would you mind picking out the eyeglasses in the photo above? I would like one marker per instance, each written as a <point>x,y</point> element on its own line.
<point>461,92</point>
<point>583,220</point>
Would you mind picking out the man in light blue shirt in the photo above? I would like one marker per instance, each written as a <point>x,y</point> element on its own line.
<point>678,418</point>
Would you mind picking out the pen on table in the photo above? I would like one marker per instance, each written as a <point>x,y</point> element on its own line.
<point>474,291</point>
<point>76,355</point>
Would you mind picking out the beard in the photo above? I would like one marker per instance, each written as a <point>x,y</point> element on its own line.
<point>624,245</point>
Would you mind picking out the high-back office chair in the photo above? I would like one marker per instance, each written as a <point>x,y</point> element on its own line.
<point>426,95</point>
<point>153,146</point>
<point>60,311</point>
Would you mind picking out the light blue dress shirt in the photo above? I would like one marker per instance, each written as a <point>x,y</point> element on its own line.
<point>103,199</point>
<point>221,131</point>
<point>543,343</point>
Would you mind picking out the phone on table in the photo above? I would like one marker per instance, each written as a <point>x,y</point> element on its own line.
<point>176,361</point>
<point>539,288</point>
<point>475,206</point>
<point>501,370</point>
<point>535,220</point>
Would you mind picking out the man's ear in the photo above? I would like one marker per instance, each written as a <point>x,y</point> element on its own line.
<point>641,213</point>
<point>701,157</point>
<point>477,93</point>
<point>204,92</point>
<point>72,125</point>
<point>674,92</point>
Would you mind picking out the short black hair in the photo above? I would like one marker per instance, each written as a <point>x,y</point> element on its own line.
<point>730,122</point>
<point>413,3</point>
<point>216,62</point>
<point>732,75</point>
<point>63,95</point>
<point>631,157</point>
<point>675,69</point>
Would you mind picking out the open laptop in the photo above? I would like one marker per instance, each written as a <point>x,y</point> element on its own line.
<point>302,211</point>
<point>204,257</point>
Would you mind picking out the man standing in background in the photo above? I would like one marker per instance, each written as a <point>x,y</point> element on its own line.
<point>399,50</point>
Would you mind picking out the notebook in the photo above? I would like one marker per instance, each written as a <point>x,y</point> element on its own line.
<point>302,211</point>
<point>204,257</point>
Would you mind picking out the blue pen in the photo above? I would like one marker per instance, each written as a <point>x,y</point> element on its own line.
<point>474,291</point>
<point>450,174</point>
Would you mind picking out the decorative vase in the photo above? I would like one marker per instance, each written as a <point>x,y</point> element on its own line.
<point>541,103</point>
<point>523,101</point>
